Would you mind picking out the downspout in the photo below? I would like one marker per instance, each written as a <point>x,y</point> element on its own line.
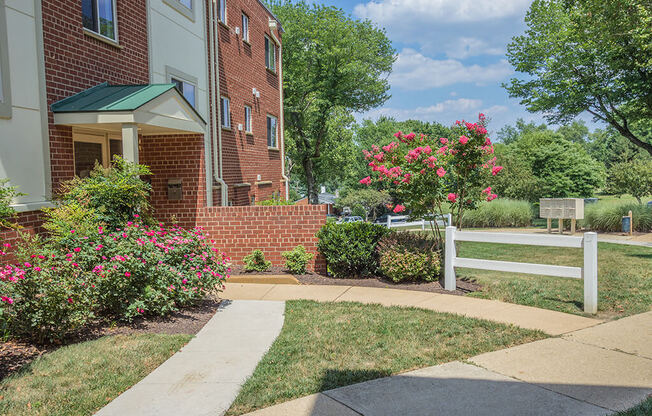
<point>273,25</point>
<point>215,88</point>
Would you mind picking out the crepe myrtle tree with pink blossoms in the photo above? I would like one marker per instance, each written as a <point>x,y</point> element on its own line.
<point>427,173</point>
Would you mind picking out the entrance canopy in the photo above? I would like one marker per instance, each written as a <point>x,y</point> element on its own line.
<point>130,110</point>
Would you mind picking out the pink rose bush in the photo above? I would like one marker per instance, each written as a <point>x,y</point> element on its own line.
<point>426,173</point>
<point>137,269</point>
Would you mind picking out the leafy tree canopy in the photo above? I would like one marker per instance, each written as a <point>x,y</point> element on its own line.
<point>587,55</point>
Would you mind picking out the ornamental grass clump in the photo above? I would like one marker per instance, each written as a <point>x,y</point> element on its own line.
<point>116,274</point>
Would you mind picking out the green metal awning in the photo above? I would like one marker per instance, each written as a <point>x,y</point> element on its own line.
<point>156,108</point>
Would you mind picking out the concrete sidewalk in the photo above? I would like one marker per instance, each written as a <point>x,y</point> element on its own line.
<point>550,322</point>
<point>593,371</point>
<point>206,375</point>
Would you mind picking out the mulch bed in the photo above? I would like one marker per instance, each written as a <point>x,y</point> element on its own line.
<point>15,354</point>
<point>463,286</point>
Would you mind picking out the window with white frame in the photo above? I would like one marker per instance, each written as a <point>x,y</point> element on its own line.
<point>270,54</point>
<point>99,16</point>
<point>245,27</point>
<point>5,92</point>
<point>222,11</point>
<point>272,131</point>
<point>186,89</point>
<point>92,149</point>
<point>247,118</point>
<point>225,106</point>
<point>185,7</point>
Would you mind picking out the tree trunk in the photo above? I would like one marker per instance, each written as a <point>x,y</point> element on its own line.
<point>313,197</point>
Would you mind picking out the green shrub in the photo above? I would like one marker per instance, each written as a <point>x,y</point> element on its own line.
<point>111,196</point>
<point>297,259</point>
<point>500,213</point>
<point>57,288</point>
<point>601,217</point>
<point>358,211</point>
<point>350,248</point>
<point>7,195</point>
<point>406,256</point>
<point>255,262</point>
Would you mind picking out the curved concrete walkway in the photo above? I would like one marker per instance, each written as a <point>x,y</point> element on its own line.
<point>550,322</point>
<point>206,375</point>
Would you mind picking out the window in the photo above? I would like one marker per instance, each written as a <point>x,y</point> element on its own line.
<point>245,27</point>
<point>225,106</point>
<point>185,7</point>
<point>186,84</point>
<point>5,92</point>
<point>186,89</point>
<point>271,131</point>
<point>89,149</point>
<point>270,54</point>
<point>247,119</point>
<point>99,16</point>
<point>222,11</point>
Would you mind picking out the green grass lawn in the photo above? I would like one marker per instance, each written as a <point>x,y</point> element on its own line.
<point>643,409</point>
<point>624,278</point>
<point>79,379</point>
<point>328,345</point>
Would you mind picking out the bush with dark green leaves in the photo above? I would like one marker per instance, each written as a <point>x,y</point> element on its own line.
<point>7,195</point>
<point>297,259</point>
<point>350,248</point>
<point>255,262</point>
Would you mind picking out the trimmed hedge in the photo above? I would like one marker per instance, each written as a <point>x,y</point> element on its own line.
<point>350,248</point>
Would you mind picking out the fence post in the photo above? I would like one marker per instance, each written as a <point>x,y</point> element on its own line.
<point>423,224</point>
<point>449,271</point>
<point>449,218</point>
<point>590,272</point>
<point>389,221</point>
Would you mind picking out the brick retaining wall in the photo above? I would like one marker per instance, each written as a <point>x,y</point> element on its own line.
<point>273,229</point>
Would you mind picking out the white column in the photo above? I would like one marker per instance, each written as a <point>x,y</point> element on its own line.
<point>449,260</point>
<point>590,272</point>
<point>130,142</point>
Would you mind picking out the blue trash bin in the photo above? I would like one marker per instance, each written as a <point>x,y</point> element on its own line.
<point>649,204</point>
<point>627,224</point>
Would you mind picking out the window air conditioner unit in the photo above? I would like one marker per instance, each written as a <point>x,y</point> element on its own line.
<point>257,94</point>
<point>254,91</point>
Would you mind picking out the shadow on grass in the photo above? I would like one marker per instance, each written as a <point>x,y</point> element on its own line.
<point>641,255</point>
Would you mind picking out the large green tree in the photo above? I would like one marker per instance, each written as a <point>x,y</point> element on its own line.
<point>332,63</point>
<point>587,55</point>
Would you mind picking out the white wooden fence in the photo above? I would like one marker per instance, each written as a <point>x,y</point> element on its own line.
<point>394,221</point>
<point>589,273</point>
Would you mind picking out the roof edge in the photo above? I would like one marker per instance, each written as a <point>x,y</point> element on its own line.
<point>280,26</point>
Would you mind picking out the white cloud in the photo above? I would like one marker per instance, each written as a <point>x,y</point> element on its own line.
<point>465,47</point>
<point>437,11</point>
<point>438,111</point>
<point>415,71</point>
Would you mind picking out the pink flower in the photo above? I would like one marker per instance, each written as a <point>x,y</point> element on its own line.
<point>136,216</point>
<point>452,197</point>
<point>496,169</point>
<point>7,299</point>
<point>398,134</point>
<point>410,136</point>
<point>27,264</point>
<point>72,231</point>
<point>366,181</point>
<point>128,274</point>
<point>184,281</point>
<point>491,197</point>
<point>37,269</point>
<point>441,172</point>
<point>7,245</point>
<point>487,190</point>
<point>76,249</point>
<point>464,140</point>
<point>69,300</point>
<point>443,140</point>
<point>399,208</point>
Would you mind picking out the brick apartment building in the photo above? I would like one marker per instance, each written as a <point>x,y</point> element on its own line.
<point>191,88</point>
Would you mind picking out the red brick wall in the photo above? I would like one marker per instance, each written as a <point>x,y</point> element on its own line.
<point>242,68</point>
<point>75,61</point>
<point>274,229</point>
<point>176,157</point>
<point>30,222</point>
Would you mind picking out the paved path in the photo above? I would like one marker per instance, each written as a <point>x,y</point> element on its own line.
<point>550,322</point>
<point>206,375</point>
<point>593,371</point>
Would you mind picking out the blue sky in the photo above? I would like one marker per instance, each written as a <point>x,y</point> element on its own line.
<point>451,57</point>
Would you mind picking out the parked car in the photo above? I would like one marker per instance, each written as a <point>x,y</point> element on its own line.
<point>351,219</point>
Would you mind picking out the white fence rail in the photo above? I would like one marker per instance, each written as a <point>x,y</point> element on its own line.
<point>394,221</point>
<point>588,273</point>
